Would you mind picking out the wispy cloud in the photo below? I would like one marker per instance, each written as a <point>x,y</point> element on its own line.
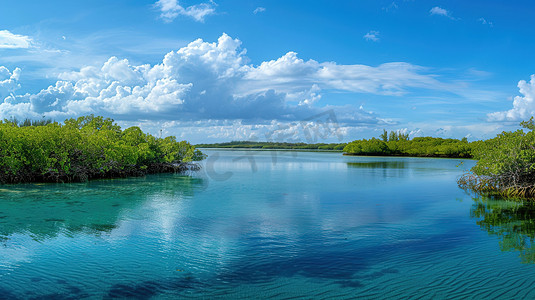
<point>372,36</point>
<point>170,9</point>
<point>47,56</point>
<point>485,22</point>
<point>391,6</point>
<point>259,10</point>
<point>9,40</point>
<point>439,11</point>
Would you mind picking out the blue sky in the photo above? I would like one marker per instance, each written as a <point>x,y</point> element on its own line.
<point>234,70</point>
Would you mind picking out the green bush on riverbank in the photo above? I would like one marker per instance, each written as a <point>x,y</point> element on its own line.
<point>506,164</point>
<point>86,148</point>
<point>395,144</point>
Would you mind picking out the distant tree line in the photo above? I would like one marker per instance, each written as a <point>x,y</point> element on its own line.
<point>29,122</point>
<point>275,145</point>
<point>85,148</point>
<point>399,144</point>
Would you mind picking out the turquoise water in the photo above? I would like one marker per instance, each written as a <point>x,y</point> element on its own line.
<point>268,224</point>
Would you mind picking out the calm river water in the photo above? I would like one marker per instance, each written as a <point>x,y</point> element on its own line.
<point>268,224</point>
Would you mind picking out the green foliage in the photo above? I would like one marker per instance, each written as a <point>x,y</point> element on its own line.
<point>367,147</point>
<point>275,145</point>
<point>398,144</point>
<point>404,136</point>
<point>384,136</point>
<point>506,164</point>
<point>84,148</point>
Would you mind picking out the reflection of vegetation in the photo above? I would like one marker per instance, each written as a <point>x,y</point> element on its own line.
<point>383,169</point>
<point>378,165</point>
<point>395,144</point>
<point>512,221</point>
<point>506,165</point>
<point>275,145</point>
<point>45,210</point>
<point>85,148</point>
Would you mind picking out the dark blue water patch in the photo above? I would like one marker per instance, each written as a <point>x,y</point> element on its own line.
<point>322,257</point>
<point>339,262</point>
<point>70,293</point>
<point>350,283</point>
<point>142,290</point>
<point>54,220</point>
<point>150,288</point>
<point>377,274</point>
<point>9,294</point>
<point>58,296</point>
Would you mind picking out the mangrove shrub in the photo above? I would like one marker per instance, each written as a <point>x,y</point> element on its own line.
<point>85,148</point>
<point>506,164</point>
<point>397,144</point>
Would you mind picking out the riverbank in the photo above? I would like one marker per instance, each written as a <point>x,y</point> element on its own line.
<point>401,145</point>
<point>270,149</point>
<point>86,175</point>
<point>407,155</point>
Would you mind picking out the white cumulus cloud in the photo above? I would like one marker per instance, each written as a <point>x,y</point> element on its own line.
<point>213,81</point>
<point>9,40</point>
<point>523,106</point>
<point>8,81</point>
<point>170,9</point>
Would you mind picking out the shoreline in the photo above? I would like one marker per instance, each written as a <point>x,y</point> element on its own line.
<point>336,151</point>
<point>133,172</point>
<point>268,149</point>
<point>404,155</point>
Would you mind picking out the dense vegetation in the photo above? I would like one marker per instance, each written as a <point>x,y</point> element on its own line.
<point>506,164</point>
<point>274,145</point>
<point>395,144</point>
<point>85,148</point>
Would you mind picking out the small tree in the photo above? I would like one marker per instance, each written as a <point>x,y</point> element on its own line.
<point>384,136</point>
<point>403,136</point>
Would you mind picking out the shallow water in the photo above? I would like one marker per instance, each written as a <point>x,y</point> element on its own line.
<point>268,224</point>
